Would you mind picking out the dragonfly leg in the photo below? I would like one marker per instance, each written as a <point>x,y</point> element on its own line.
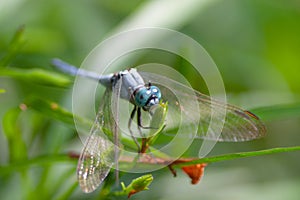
<point>129,128</point>
<point>139,120</point>
<point>149,84</point>
<point>145,140</point>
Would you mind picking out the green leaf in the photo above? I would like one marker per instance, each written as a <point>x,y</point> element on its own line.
<point>12,131</point>
<point>15,45</point>
<point>157,122</point>
<point>9,123</point>
<point>278,111</point>
<point>43,160</point>
<point>68,192</point>
<point>37,76</point>
<point>141,183</point>
<point>54,111</point>
<point>158,118</point>
<point>137,185</point>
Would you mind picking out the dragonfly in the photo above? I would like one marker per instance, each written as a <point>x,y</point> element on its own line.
<point>199,110</point>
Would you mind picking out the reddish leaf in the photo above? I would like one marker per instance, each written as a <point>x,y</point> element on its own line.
<point>195,172</point>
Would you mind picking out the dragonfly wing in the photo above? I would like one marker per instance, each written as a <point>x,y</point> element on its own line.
<point>115,113</point>
<point>97,156</point>
<point>239,124</point>
<point>216,120</point>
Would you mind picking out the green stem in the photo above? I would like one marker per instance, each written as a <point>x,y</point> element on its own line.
<point>40,160</point>
<point>239,155</point>
<point>47,160</point>
<point>68,192</point>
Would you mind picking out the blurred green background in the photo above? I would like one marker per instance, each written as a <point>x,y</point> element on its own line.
<point>255,44</point>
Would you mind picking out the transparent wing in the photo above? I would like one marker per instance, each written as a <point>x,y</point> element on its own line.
<point>115,122</point>
<point>97,156</point>
<point>209,114</point>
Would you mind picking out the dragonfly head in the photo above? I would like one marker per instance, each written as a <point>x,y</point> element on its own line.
<point>146,97</point>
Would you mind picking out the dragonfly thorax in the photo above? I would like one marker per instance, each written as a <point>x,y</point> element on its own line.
<point>146,97</point>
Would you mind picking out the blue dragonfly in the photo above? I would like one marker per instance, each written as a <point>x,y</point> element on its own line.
<point>198,110</point>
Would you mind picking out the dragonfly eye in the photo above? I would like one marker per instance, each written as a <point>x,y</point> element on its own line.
<point>155,91</point>
<point>153,101</point>
<point>147,97</point>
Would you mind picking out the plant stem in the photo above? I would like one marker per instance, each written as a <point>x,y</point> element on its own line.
<point>45,160</point>
<point>239,155</point>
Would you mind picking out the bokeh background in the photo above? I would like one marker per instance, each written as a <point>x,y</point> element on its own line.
<point>255,44</point>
